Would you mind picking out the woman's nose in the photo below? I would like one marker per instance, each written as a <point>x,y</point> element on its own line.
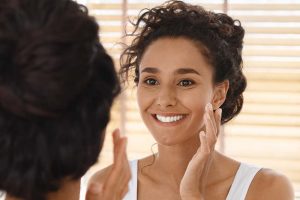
<point>167,97</point>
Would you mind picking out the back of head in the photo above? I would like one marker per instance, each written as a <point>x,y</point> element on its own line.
<point>57,85</point>
<point>218,37</point>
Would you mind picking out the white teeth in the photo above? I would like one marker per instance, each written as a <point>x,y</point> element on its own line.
<point>169,119</point>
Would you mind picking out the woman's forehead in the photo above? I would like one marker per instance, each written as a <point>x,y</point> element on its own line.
<point>176,54</point>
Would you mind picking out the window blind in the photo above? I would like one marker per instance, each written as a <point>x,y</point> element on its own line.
<point>267,132</point>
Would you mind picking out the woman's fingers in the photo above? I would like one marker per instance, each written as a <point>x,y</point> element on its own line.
<point>116,139</point>
<point>120,174</point>
<point>211,133</point>
<point>195,176</point>
<point>212,124</point>
<point>204,147</point>
<point>119,159</point>
<point>191,183</point>
<point>218,117</point>
<point>115,185</point>
<point>122,170</point>
<point>210,112</point>
<point>124,183</point>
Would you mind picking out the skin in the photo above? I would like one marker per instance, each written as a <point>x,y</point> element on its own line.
<point>187,166</point>
<point>115,185</point>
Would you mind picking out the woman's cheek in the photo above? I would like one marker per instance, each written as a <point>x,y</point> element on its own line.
<point>144,98</point>
<point>196,104</point>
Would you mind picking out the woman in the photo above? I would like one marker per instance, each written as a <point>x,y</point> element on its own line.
<point>188,71</point>
<point>57,85</point>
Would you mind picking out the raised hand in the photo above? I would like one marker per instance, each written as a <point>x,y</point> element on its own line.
<point>115,186</point>
<point>193,183</point>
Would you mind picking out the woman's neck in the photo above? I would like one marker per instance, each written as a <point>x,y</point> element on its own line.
<point>172,161</point>
<point>70,189</point>
<point>176,158</point>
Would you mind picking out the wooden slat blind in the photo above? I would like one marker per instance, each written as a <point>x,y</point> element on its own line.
<point>267,132</point>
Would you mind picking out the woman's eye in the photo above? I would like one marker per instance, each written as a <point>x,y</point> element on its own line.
<point>185,83</point>
<point>151,81</point>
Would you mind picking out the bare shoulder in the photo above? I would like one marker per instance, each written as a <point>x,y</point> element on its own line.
<point>270,185</point>
<point>100,175</point>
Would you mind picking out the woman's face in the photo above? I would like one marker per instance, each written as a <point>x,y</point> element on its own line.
<point>175,84</point>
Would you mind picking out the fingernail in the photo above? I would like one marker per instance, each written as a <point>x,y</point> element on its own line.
<point>202,134</point>
<point>220,111</point>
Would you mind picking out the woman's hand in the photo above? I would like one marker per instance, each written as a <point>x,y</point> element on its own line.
<point>194,180</point>
<point>115,186</point>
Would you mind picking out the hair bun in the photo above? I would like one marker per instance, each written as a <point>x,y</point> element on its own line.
<point>230,30</point>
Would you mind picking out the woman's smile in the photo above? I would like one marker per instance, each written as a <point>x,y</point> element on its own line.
<point>169,119</point>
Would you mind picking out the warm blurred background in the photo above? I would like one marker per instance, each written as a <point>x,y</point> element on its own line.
<point>267,132</point>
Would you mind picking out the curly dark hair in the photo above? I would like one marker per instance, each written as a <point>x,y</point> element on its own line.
<point>217,35</point>
<point>57,85</point>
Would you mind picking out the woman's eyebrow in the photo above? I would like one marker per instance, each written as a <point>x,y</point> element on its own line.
<point>187,71</point>
<point>150,70</point>
<point>153,70</point>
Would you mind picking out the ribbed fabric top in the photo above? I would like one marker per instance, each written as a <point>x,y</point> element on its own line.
<point>132,193</point>
<point>242,181</point>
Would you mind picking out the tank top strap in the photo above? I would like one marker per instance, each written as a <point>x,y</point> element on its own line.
<point>2,195</point>
<point>132,192</point>
<point>242,181</point>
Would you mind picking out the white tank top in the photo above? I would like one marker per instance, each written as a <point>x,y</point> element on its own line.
<point>238,189</point>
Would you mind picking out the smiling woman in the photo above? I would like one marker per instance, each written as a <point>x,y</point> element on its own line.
<point>165,90</point>
<point>188,70</point>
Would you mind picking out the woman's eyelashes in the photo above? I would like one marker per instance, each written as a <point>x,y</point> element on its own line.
<point>181,83</point>
<point>150,81</point>
<point>186,83</point>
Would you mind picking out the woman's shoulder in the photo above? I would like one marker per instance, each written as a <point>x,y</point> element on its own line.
<point>270,185</point>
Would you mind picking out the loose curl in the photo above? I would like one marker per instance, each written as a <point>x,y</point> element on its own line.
<point>57,85</point>
<point>218,36</point>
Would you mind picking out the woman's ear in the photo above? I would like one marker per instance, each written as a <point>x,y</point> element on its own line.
<point>220,92</point>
